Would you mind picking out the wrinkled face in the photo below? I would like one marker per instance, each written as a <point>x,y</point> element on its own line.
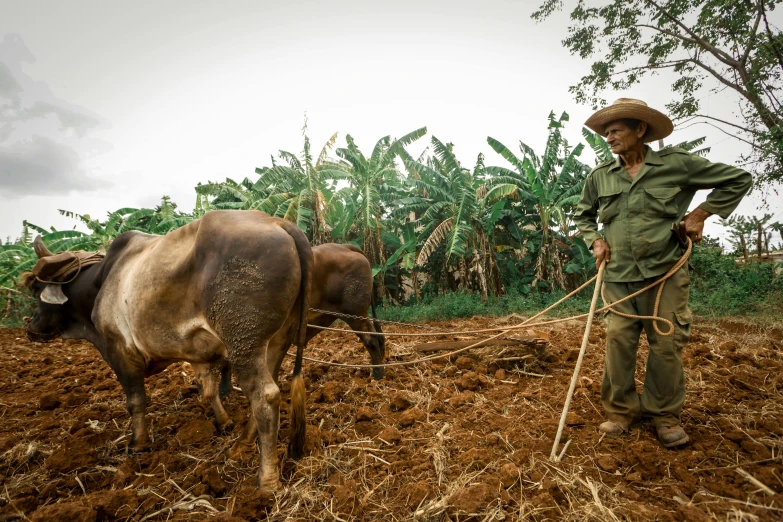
<point>49,320</point>
<point>622,139</point>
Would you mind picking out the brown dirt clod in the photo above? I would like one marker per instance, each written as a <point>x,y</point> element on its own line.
<point>365,413</point>
<point>409,417</point>
<point>399,402</point>
<point>196,432</point>
<point>472,499</point>
<point>70,511</point>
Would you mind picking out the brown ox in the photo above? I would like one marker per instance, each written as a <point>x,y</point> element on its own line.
<point>215,290</point>
<point>342,282</point>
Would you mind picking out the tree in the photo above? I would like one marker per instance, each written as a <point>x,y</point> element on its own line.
<point>372,183</point>
<point>745,231</point>
<point>228,195</point>
<point>549,186</point>
<point>300,191</point>
<point>717,44</point>
<point>456,208</point>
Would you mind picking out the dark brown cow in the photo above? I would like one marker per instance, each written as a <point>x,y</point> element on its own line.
<point>218,289</point>
<point>342,282</point>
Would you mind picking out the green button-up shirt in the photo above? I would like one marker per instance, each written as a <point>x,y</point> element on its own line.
<point>637,214</point>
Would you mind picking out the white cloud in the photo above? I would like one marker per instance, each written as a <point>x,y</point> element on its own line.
<point>42,166</point>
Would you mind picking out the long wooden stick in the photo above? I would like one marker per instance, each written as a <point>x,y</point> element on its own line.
<point>598,282</point>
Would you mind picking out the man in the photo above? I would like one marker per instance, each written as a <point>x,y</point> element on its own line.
<point>637,198</point>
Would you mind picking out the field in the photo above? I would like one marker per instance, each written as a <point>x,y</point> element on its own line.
<point>466,439</point>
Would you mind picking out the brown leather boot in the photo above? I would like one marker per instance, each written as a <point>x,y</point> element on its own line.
<point>672,436</point>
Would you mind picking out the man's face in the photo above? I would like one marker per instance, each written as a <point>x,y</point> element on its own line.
<point>621,138</point>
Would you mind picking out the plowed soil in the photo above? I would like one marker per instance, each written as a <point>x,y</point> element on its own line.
<point>460,439</point>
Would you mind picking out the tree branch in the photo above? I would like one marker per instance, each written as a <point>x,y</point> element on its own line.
<point>718,120</point>
<point>773,100</point>
<point>724,132</point>
<point>718,53</point>
<point>753,33</point>
<point>720,78</point>
<point>669,33</point>
<point>771,39</point>
<point>663,65</point>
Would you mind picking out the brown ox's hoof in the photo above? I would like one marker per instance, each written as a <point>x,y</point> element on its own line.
<point>270,486</point>
<point>226,428</point>
<point>240,451</point>
<point>139,447</point>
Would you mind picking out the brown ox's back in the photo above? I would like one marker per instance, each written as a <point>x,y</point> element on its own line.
<point>343,283</point>
<point>342,279</point>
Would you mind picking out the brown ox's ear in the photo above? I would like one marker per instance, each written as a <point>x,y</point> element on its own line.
<point>26,279</point>
<point>40,248</point>
<point>53,294</point>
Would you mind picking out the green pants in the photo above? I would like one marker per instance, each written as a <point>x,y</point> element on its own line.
<point>664,385</point>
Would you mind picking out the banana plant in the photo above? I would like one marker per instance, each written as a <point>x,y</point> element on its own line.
<point>301,189</point>
<point>549,187</point>
<point>453,203</point>
<point>373,182</point>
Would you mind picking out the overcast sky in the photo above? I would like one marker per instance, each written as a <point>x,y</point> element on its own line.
<point>107,105</point>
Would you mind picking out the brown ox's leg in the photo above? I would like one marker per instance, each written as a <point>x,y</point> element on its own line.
<point>132,380</point>
<point>208,377</point>
<point>264,395</point>
<point>245,444</point>
<point>371,343</point>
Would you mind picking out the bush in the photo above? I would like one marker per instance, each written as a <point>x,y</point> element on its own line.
<point>14,306</point>
<point>722,287</point>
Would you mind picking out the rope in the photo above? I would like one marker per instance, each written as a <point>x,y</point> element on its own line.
<point>78,262</point>
<point>398,323</point>
<point>528,322</point>
<point>64,270</point>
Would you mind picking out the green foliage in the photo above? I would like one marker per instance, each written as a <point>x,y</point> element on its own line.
<point>372,183</point>
<point>746,231</point>
<point>455,305</point>
<point>455,209</point>
<point>548,187</point>
<point>722,287</point>
<point>703,44</point>
<point>438,234</point>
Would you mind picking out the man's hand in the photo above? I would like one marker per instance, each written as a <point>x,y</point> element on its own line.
<point>601,252</point>
<point>692,225</point>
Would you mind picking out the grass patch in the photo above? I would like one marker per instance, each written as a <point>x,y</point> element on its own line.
<point>720,288</point>
<point>456,305</point>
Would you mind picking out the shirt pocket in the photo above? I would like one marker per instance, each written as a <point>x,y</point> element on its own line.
<point>662,201</point>
<point>609,206</point>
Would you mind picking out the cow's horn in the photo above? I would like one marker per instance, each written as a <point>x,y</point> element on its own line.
<point>53,294</point>
<point>40,248</point>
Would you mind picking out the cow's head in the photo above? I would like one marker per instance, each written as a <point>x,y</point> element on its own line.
<point>51,315</point>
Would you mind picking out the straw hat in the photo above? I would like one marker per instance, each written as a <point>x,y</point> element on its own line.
<point>658,124</point>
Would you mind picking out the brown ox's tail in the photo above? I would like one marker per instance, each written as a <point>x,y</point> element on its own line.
<point>298,393</point>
